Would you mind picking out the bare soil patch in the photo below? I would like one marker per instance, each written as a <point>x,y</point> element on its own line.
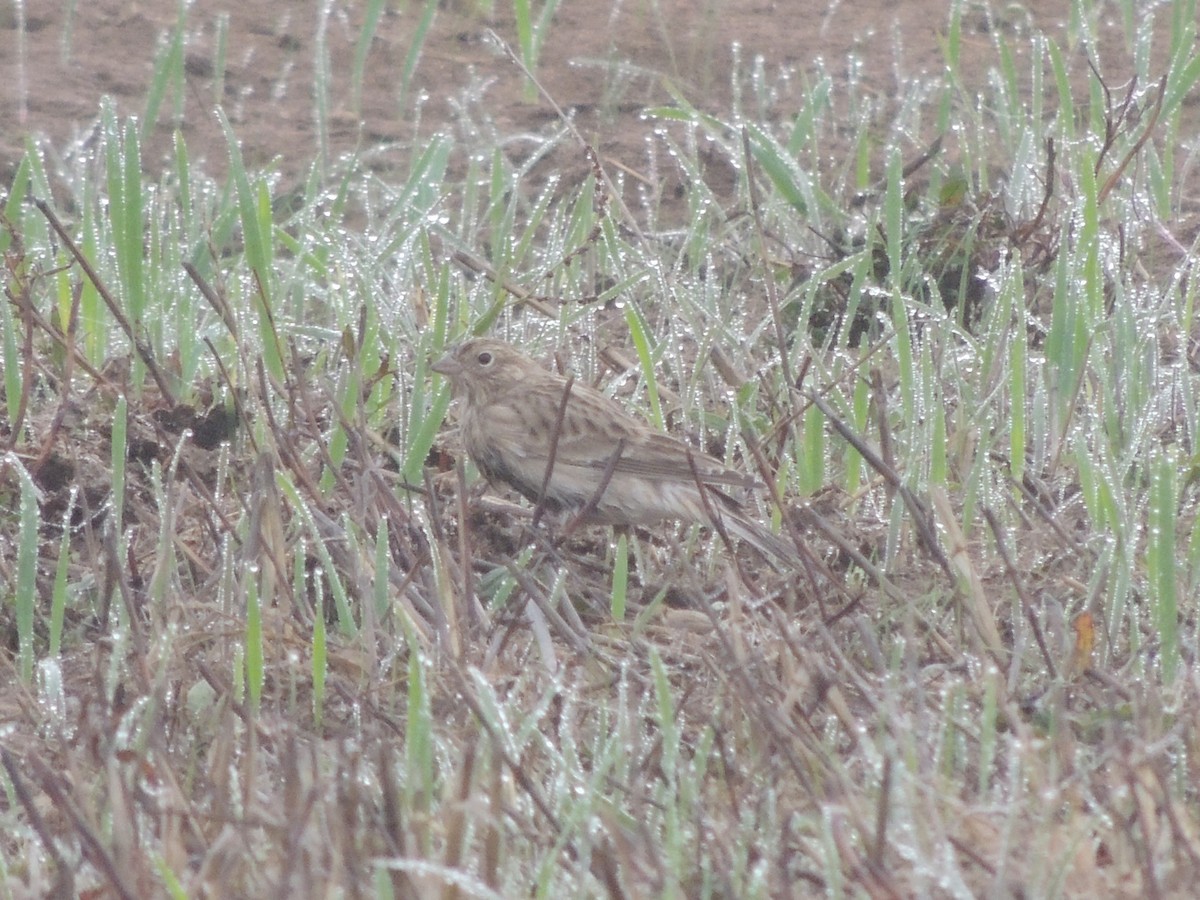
<point>603,62</point>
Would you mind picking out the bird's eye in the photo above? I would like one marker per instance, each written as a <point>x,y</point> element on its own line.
<point>484,358</point>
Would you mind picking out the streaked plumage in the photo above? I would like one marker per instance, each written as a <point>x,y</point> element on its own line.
<point>508,418</point>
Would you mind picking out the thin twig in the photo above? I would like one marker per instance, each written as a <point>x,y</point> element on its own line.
<point>921,518</point>
<point>1155,111</point>
<point>540,506</point>
<point>630,221</point>
<point>140,346</point>
<point>605,477</point>
<point>1019,585</point>
<point>772,290</point>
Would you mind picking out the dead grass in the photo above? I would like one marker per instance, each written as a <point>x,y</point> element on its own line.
<point>306,654</point>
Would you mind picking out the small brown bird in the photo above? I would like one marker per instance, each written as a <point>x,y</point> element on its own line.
<point>509,420</point>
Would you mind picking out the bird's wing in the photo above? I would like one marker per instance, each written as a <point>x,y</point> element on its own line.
<point>594,425</point>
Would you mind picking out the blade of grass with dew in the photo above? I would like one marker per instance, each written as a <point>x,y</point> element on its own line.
<point>300,510</point>
<point>420,783</point>
<point>1038,94</point>
<point>811,471</point>
<point>620,578</point>
<point>414,51</point>
<point>952,44</point>
<point>864,149</point>
<point>860,407</point>
<point>238,678</point>
<point>383,559</point>
<point>58,599</point>
<point>1066,103</point>
<point>422,424</point>
<point>664,714</point>
<point>14,203</point>
<point>501,206</point>
<point>1162,561</point>
<point>861,267</point>
<point>126,215</point>
<point>1185,75</point>
<point>188,338</point>
<point>170,881</point>
<point>531,236</point>
<point>346,395</point>
<point>524,24</point>
<point>424,186</point>
<point>320,656</point>
<point>938,470</point>
<point>379,411</point>
<point>792,183</point>
<point>366,36</point>
<point>1094,489</point>
<point>300,577</point>
<point>988,729</point>
<point>220,57</point>
<point>816,101</point>
<point>120,424</point>
<point>164,550</point>
<point>637,330</point>
<point>254,212</point>
<point>953,754</point>
<point>904,355</point>
<point>649,613</point>
<point>1191,567</point>
<point>441,303</point>
<point>12,357</point>
<point>894,216</point>
<point>1012,99</point>
<point>321,81</point>
<point>168,74</point>
<point>25,600</point>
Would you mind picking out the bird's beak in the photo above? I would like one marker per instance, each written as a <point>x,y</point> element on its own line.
<point>448,366</point>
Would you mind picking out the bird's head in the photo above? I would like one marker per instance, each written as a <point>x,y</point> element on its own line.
<point>484,368</point>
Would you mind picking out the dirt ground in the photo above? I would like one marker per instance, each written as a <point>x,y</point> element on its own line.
<point>55,68</point>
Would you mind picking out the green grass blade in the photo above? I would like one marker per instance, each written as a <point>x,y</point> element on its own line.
<point>27,554</point>
<point>620,578</point>
<point>1161,562</point>
<point>638,331</point>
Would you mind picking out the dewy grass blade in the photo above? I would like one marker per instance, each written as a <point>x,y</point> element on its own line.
<point>620,578</point>
<point>637,331</point>
<point>894,218</point>
<point>254,211</point>
<point>414,49</point>
<point>220,57</point>
<point>321,82</point>
<point>58,600</point>
<point>320,662</point>
<point>420,785</point>
<point>168,75</point>
<point>14,203</point>
<point>26,598</point>
<point>120,424</point>
<point>126,217</point>
<point>14,367</point>
<point>1018,359</point>
<point>362,47</point>
<point>1162,561</point>
<point>329,568</point>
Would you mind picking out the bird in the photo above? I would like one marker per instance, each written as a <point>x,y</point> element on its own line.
<point>593,460</point>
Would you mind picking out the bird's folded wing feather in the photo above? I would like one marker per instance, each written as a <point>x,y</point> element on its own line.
<point>590,433</point>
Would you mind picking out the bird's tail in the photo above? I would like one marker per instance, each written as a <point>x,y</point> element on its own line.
<point>765,542</point>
